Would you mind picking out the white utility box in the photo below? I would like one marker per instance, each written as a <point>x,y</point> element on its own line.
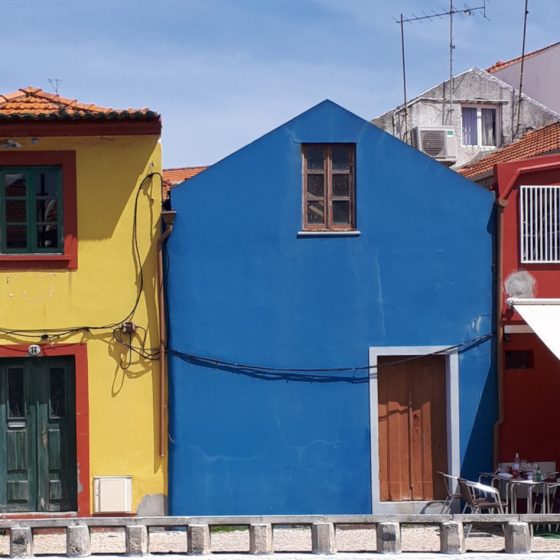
<point>112,494</point>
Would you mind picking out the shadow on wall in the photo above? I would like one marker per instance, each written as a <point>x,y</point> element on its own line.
<point>105,186</point>
<point>479,450</point>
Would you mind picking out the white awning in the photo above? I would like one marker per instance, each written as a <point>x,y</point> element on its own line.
<point>543,316</point>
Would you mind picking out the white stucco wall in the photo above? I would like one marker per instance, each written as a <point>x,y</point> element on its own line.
<point>541,77</point>
<point>474,87</point>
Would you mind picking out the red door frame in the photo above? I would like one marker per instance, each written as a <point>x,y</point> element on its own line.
<point>79,353</point>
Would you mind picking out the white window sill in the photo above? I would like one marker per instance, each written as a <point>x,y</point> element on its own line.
<point>479,147</point>
<point>333,233</point>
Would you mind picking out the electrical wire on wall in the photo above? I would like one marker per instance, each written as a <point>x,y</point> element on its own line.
<point>316,375</point>
<point>133,337</point>
<point>51,334</point>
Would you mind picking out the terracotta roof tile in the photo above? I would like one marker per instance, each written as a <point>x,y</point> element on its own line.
<point>505,63</point>
<point>35,104</point>
<point>176,175</point>
<point>535,143</point>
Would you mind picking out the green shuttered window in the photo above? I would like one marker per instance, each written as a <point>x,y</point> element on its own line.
<point>31,214</point>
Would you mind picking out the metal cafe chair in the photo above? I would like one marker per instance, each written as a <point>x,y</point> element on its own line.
<point>452,489</point>
<point>501,484</point>
<point>479,497</point>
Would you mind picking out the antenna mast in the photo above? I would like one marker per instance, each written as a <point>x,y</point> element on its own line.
<point>404,82</point>
<point>521,70</point>
<point>468,11</point>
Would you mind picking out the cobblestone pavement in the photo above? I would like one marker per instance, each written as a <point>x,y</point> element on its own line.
<point>292,539</point>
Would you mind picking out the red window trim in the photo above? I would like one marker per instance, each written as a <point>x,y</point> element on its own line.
<point>79,352</point>
<point>69,259</point>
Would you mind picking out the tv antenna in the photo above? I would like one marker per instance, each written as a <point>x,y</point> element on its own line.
<point>55,83</point>
<point>452,11</point>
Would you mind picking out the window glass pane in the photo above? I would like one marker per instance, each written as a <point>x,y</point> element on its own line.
<point>16,210</point>
<point>47,210</point>
<point>57,392</point>
<point>469,126</point>
<point>47,184</point>
<point>47,236</point>
<point>16,237</point>
<point>488,127</point>
<point>341,211</point>
<point>315,157</point>
<point>340,158</point>
<point>15,184</point>
<point>16,405</point>
<point>316,212</point>
<point>341,185</point>
<point>315,186</point>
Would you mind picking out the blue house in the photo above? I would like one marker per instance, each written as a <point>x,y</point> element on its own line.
<point>330,315</point>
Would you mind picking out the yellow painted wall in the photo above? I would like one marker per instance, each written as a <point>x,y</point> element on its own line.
<point>124,433</point>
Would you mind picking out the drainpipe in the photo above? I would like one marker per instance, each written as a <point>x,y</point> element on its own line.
<point>501,203</point>
<point>168,218</point>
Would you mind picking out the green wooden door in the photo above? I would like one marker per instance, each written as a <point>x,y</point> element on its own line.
<point>38,470</point>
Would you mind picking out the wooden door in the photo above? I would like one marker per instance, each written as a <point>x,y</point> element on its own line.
<point>38,470</point>
<point>412,427</point>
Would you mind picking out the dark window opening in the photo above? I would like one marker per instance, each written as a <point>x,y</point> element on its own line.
<point>519,359</point>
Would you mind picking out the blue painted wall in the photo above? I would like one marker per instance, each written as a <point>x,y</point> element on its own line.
<point>243,287</point>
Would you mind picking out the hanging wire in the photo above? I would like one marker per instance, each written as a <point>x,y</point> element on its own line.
<point>52,333</point>
<point>314,375</point>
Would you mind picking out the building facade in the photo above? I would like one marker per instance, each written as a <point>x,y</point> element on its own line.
<point>529,372</point>
<point>541,75</point>
<point>466,118</point>
<point>80,197</point>
<point>330,313</point>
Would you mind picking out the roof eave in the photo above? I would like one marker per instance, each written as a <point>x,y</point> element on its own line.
<point>80,127</point>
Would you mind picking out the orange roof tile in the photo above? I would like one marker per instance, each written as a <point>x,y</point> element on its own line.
<point>179,174</point>
<point>176,175</point>
<point>35,104</point>
<point>505,63</point>
<point>535,143</point>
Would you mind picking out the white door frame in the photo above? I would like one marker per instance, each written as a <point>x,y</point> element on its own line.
<point>453,435</point>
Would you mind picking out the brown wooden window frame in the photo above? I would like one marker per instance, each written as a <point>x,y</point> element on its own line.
<point>328,197</point>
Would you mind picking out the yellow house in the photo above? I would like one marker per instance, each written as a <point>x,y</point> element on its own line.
<point>82,422</point>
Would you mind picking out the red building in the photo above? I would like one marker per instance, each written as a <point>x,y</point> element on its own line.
<point>528,196</point>
<point>526,178</point>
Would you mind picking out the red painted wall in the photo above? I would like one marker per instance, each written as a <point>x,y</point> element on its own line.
<point>530,397</point>
<point>531,405</point>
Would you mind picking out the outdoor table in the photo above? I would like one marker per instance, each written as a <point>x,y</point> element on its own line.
<point>528,488</point>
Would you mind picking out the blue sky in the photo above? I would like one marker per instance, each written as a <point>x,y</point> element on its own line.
<point>223,72</point>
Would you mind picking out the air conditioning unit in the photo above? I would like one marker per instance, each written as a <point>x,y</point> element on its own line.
<point>438,142</point>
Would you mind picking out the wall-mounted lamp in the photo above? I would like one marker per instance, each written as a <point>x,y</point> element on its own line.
<point>10,143</point>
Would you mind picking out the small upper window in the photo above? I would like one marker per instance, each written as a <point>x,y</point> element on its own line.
<point>480,126</point>
<point>31,210</point>
<point>520,359</point>
<point>329,187</point>
<point>539,210</point>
